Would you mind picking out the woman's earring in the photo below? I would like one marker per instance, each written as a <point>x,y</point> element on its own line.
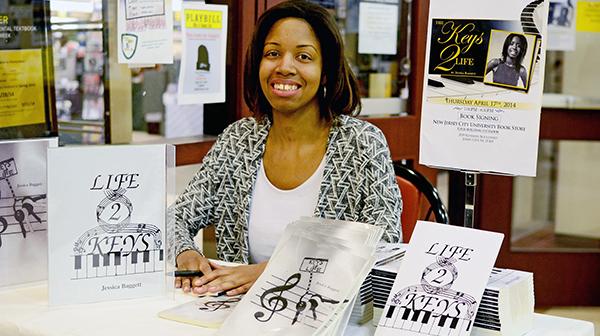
<point>324,91</point>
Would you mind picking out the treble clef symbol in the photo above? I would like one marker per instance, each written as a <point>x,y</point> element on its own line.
<point>273,302</point>
<point>216,305</point>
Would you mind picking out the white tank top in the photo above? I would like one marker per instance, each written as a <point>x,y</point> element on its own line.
<point>272,209</point>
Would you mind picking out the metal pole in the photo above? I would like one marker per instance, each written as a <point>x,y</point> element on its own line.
<point>470,186</point>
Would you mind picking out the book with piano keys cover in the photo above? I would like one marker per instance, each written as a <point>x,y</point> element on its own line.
<point>441,281</point>
<point>107,214</point>
<point>23,208</point>
<point>484,71</point>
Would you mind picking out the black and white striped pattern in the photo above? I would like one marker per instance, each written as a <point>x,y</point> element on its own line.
<point>358,185</point>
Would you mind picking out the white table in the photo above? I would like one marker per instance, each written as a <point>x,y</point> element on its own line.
<point>543,325</point>
<point>24,311</point>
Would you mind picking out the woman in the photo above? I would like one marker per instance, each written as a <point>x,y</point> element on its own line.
<point>508,69</point>
<point>300,155</point>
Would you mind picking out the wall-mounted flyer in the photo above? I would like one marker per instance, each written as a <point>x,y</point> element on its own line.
<point>23,209</point>
<point>204,35</point>
<point>145,31</point>
<point>378,27</point>
<point>107,214</point>
<point>484,74</point>
<point>21,88</point>
<point>561,25</point>
<point>440,282</point>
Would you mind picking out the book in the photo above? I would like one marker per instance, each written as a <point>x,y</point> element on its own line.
<point>506,308</point>
<point>107,214</point>
<point>310,282</point>
<point>440,282</point>
<point>23,210</point>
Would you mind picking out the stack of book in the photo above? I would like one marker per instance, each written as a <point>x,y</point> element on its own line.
<point>506,307</point>
<point>386,254</point>
<point>362,309</point>
<point>382,279</point>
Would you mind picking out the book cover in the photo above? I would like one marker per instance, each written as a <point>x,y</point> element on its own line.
<point>107,213</point>
<point>441,281</point>
<point>23,210</point>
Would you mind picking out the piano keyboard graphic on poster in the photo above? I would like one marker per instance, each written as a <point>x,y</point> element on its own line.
<point>107,211</point>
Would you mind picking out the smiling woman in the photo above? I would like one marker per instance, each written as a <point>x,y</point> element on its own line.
<point>301,154</point>
<point>290,70</point>
<point>508,69</point>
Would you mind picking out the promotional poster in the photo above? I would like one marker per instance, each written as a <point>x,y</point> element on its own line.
<point>107,214</point>
<point>204,35</point>
<point>484,77</point>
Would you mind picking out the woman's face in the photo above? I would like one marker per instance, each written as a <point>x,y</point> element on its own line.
<point>515,47</point>
<point>290,69</point>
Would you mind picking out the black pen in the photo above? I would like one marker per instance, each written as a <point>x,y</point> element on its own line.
<point>187,273</point>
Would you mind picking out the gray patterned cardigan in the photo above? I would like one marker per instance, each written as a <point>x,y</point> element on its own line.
<point>358,185</point>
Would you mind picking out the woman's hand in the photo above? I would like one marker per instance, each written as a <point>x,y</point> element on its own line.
<point>233,280</point>
<point>191,260</point>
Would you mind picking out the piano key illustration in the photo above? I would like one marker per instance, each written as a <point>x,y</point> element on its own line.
<point>117,263</point>
<point>424,321</point>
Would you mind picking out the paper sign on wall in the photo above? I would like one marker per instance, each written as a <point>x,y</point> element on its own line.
<point>202,73</point>
<point>377,28</point>
<point>561,25</point>
<point>482,101</point>
<point>21,88</point>
<point>145,31</point>
<point>107,214</point>
<point>440,282</point>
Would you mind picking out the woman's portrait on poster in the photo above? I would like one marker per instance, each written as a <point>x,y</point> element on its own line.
<point>509,68</point>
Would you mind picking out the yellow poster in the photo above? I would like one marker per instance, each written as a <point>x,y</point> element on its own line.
<point>21,88</point>
<point>588,16</point>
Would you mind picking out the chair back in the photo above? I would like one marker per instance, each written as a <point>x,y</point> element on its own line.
<point>420,200</point>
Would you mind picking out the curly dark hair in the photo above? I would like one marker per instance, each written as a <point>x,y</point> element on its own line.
<point>342,96</point>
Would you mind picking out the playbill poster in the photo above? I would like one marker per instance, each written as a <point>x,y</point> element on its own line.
<point>23,209</point>
<point>204,35</point>
<point>145,31</point>
<point>484,74</point>
<point>107,214</point>
<point>440,282</point>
